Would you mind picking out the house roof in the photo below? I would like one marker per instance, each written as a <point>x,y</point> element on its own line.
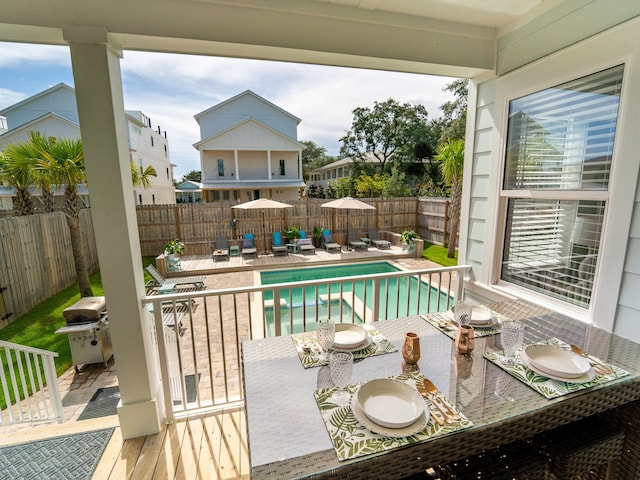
<point>342,162</point>
<point>243,94</point>
<point>244,184</point>
<point>40,119</point>
<point>188,186</point>
<point>244,122</point>
<point>30,99</point>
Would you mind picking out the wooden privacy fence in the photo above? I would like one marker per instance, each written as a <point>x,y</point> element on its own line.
<point>198,225</point>
<point>36,260</point>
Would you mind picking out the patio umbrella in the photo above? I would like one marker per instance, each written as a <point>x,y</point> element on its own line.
<point>262,204</point>
<point>348,203</point>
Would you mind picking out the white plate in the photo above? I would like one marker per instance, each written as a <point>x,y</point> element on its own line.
<point>557,361</point>
<point>348,336</point>
<point>416,427</point>
<point>587,377</point>
<point>481,316</point>
<point>357,348</point>
<point>390,403</point>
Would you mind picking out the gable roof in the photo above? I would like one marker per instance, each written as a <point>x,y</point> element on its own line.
<point>197,116</point>
<point>30,99</point>
<point>40,119</point>
<point>197,145</point>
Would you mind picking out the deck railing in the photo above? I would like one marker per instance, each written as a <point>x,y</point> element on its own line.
<point>29,385</point>
<point>203,330</point>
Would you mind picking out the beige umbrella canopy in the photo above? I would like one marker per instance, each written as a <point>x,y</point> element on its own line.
<point>262,204</point>
<point>348,203</point>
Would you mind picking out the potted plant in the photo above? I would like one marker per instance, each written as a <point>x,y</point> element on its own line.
<point>317,237</point>
<point>407,237</point>
<point>172,248</point>
<point>292,234</point>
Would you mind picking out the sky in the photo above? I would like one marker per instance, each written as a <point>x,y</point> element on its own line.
<point>171,89</point>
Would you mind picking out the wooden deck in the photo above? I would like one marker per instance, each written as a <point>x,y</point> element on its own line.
<point>210,446</point>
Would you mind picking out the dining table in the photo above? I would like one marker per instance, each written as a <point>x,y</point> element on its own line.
<point>289,437</point>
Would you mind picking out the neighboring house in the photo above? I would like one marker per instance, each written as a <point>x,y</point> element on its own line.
<point>248,150</point>
<point>189,192</point>
<point>332,172</point>
<point>53,113</point>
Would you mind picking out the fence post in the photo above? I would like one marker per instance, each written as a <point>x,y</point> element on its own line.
<point>445,238</point>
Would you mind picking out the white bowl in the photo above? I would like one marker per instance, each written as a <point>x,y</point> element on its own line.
<point>557,361</point>
<point>348,336</point>
<point>390,403</point>
<point>480,315</point>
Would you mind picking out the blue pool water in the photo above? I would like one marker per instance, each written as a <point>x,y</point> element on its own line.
<point>299,312</point>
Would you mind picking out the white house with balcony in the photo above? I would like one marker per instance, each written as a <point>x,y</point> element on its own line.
<point>248,150</point>
<point>54,113</point>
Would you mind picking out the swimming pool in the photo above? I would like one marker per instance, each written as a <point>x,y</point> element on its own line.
<point>298,305</point>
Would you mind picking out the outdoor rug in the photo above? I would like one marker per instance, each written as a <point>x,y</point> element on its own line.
<point>105,401</point>
<point>71,457</point>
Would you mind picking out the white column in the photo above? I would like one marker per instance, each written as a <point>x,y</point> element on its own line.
<point>269,176</point>
<point>98,85</point>
<point>300,175</point>
<point>235,161</point>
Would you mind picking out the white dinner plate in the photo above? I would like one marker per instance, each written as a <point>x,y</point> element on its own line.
<point>557,361</point>
<point>481,316</point>
<point>349,335</point>
<point>587,377</point>
<point>407,431</point>
<point>390,403</point>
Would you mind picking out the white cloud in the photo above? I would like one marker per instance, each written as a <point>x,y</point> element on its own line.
<point>171,89</point>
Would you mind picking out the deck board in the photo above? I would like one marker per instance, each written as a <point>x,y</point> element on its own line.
<point>210,446</point>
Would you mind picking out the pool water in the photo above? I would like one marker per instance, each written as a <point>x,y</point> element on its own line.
<point>299,312</point>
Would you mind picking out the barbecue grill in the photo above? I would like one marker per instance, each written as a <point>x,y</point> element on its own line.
<point>88,330</point>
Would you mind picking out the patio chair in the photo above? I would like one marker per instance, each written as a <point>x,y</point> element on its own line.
<point>249,245</point>
<point>328,243</point>
<point>354,241</point>
<point>306,244</point>
<point>221,248</point>
<point>158,280</point>
<point>380,244</point>
<point>277,246</point>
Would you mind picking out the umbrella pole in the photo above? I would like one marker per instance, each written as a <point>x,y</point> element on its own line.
<point>347,235</point>
<point>264,235</point>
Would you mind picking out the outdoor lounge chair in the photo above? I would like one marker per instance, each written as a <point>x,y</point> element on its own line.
<point>306,244</point>
<point>328,243</point>
<point>221,248</point>
<point>354,241</point>
<point>380,244</point>
<point>158,280</point>
<point>277,246</point>
<point>249,245</point>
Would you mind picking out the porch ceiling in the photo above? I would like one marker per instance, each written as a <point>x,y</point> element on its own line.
<point>459,35</point>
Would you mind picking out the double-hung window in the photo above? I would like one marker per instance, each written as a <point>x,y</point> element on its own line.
<point>555,187</point>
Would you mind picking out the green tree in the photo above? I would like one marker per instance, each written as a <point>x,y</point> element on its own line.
<point>395,185</point>
<point>16,170</point>
<point>369,185</point>
<point>63,161</point>
<point>454,121</point>
<point>451,158</point>
<point>343,187</point>
<point>141,177</point>
<point>193,175</point>
<point>387,132</point>
<point>313,156</point>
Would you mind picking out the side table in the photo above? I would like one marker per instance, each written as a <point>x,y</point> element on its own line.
<point>234,250</point>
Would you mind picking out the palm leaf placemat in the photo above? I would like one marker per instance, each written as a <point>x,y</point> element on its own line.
<point>309,350</point>
<point>442,321</point>
<point>546,386</point>
<point>351,439</point>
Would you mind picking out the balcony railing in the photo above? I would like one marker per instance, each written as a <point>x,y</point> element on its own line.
<point>203,331</point>
<point>29,385</point>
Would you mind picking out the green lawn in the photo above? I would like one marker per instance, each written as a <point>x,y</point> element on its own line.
<point>438,254</point>
<point>37,328</point>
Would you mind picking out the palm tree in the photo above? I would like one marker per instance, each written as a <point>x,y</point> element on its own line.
<point>451,158</point>
<point>142,177</point>
<point>15,168</point>
<point>63,163</point>
<point>37,143</point>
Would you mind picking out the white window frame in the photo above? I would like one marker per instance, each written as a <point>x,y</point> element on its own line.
<point>598,53</point>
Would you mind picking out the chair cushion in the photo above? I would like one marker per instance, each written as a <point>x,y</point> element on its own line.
<point>304,241</point>
<point>247,243</point>
<point>328,238</point>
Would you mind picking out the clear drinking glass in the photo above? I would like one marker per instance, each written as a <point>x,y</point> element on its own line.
<point>325,334</point>
<point>462,312</point>
<point>511,337</point>
<point>341,368</point>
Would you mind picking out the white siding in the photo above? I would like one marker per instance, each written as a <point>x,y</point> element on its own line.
<point>616,304</point>
<point>61,101</point>
<point>48,127</point>
<point>247,106</point>
<point>249,135</point>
